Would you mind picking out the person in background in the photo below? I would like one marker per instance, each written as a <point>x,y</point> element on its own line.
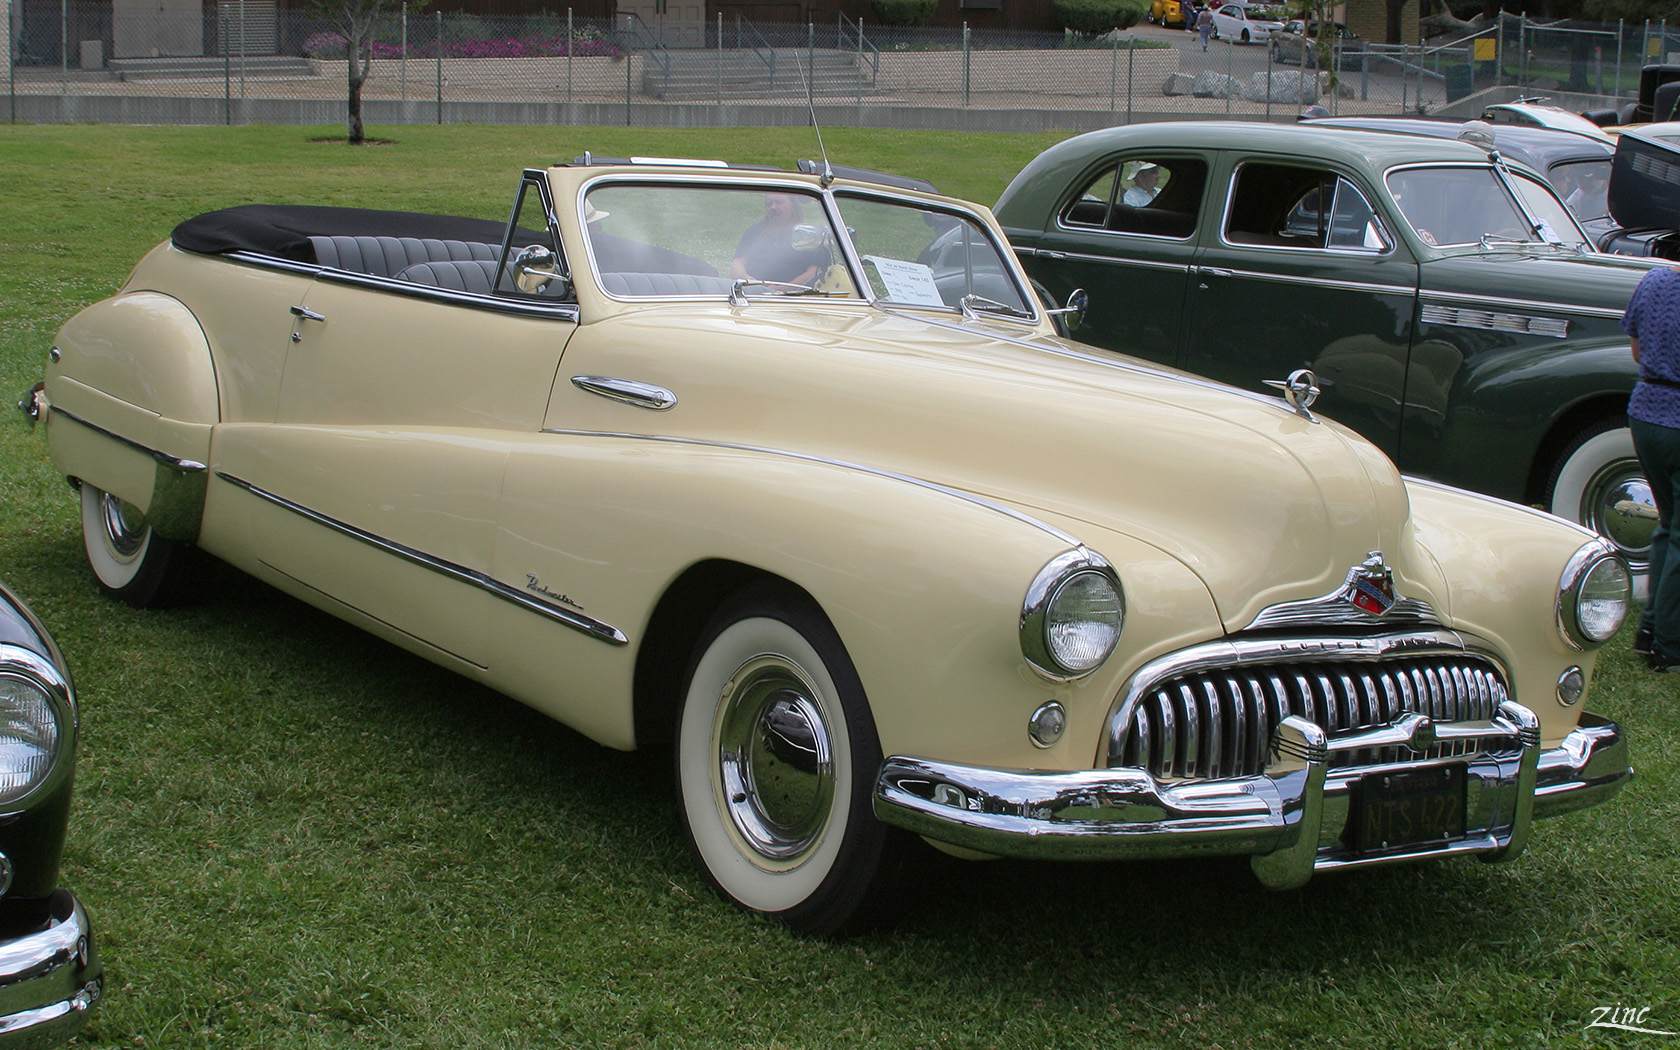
<point>766,251</point>
<point>1653,321</point>
<point>1204,26</point>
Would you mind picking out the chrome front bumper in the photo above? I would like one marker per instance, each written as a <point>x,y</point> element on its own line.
<point>1293,818</point>
<point>49,979</point>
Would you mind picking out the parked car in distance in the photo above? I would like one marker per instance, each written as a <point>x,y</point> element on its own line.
<point>790,471</point>
<point>1242,23</point>
<point>1534,113</point>
<point>50,972</point>
<point>1447,305</point>
<point>1174,13</point>
<point>1577,166</point>
<point>1296,43</point>
<point>1644,193</point>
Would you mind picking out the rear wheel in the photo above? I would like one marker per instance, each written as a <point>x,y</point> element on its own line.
<point>131,562</point>
<point>1598,482</point>
<point>776,760</point>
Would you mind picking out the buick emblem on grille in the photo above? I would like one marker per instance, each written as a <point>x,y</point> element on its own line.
<point>1370,587</point>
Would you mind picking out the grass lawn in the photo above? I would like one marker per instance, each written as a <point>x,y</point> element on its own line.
<point>292,835</point>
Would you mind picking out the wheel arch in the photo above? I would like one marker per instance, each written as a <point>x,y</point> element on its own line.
<point>1563,430</point>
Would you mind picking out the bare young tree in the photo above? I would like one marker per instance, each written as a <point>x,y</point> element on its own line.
<point>356,21</point>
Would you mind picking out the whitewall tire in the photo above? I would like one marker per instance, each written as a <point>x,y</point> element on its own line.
<point>1599,483</point>
<point>776,759</point>
<point>131,562</point>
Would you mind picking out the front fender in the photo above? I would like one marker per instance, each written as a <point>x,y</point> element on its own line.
<point>923,584</point>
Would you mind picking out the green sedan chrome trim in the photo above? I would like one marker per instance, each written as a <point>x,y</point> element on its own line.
<point>1493,321</point>
<point>1311,282</point>
<point>1485,301</point>
<point>571,618</point>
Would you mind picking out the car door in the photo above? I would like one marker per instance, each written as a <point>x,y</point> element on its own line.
<point>1302,272</point>
<point>1131,248</point>
<point>380,479</point>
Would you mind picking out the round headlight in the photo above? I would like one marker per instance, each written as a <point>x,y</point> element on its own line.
<point>1073,615</point>
<point>29,737</point>
<point>1593,596</point>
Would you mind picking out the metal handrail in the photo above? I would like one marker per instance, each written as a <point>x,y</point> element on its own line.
<point>644,39</point>
<point>756,44</point>
<point>845,32</point>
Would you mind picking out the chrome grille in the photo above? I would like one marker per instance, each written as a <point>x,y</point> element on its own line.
<point>1218,722</point>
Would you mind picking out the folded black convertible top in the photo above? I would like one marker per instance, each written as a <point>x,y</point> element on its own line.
<point>284,229</point>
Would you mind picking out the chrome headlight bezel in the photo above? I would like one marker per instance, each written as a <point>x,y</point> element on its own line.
<point>1081,567</point>
<point>34,671</point>
<point>1584,625</point>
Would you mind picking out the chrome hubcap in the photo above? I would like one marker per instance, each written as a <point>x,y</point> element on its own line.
<point>776,770</point>
<point>125,527</point>
<point>1617,503</point>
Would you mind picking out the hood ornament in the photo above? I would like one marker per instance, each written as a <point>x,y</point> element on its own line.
<point>1370,586</point>
<point>1301,389</point>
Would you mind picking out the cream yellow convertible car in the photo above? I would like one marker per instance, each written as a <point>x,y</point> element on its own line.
<point>789,471</point>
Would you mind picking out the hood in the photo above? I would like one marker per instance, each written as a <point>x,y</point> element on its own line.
<point>1589,286</point>
<point>1645,182</point>
<point>1262,504</point>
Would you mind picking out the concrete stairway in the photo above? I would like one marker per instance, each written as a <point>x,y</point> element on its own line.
<point>208,67</point>
<point>702,74</point>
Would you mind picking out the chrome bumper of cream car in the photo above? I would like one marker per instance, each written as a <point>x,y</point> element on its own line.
<point>49,979</point>
<point>1293,818</point>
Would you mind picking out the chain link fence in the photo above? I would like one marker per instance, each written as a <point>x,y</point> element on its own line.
<point>248,61</point>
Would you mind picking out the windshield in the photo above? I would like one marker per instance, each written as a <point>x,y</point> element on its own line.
<point>1473,205</point>
<point>674,239</point>
<point>921,256</point>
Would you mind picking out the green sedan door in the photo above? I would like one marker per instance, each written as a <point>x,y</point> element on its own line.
<point>1302,272</point>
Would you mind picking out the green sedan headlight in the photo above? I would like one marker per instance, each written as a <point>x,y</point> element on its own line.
<point>1593,595</point>
<point>1072,616</point>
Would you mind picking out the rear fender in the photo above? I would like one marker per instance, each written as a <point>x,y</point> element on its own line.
<point>130,401</point>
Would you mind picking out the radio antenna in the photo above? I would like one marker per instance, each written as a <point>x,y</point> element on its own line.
<point>811,105</point>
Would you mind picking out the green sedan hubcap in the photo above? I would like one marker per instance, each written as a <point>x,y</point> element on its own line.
<point>775,766</point>
<point>1617,502</point>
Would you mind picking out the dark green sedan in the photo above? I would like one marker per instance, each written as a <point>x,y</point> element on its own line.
<point>1440,300</point>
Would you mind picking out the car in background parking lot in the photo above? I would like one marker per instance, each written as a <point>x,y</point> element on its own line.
<point>1296,43</point>
<point>1242,23</point>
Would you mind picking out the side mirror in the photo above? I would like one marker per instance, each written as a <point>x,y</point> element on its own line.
<point>534,266</point>
<point>809,237</point>
<point>1071,316</point>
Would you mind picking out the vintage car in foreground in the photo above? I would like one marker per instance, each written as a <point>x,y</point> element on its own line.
<point>50,973</point>
<point>1445,299</point>
<point>789,470</point>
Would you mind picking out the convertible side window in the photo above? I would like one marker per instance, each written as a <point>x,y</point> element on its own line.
<point>1156,196</point>
<point>1280,205</point>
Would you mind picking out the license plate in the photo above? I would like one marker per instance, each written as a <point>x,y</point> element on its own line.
<point>1399,811</point>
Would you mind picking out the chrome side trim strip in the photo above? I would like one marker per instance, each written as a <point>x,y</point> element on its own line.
<point>628,391</point>
<point>569,617</point>
<point>1405,290</point>
<point>499,304</point>
<point>1106,260</point>
<point>966,497</point>
<point>178,485</point>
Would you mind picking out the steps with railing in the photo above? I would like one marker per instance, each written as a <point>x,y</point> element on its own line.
<point>753,73</point>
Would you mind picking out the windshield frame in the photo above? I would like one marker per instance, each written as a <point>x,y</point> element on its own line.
<point>831,199</point>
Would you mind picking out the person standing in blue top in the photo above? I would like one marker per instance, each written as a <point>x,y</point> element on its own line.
<point>1653,320</point>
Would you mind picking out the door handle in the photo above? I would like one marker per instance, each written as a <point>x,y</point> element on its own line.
<point>627,391</point>
<point>306,314</point>
<point>1205,272</point>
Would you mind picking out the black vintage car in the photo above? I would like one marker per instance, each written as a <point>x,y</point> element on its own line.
<point>50,973</point>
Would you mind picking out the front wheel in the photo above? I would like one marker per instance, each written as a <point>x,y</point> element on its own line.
<point>776,760</point>
<point>1598,482</point>
<point>1245,37</point>
<point>131,562</point>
